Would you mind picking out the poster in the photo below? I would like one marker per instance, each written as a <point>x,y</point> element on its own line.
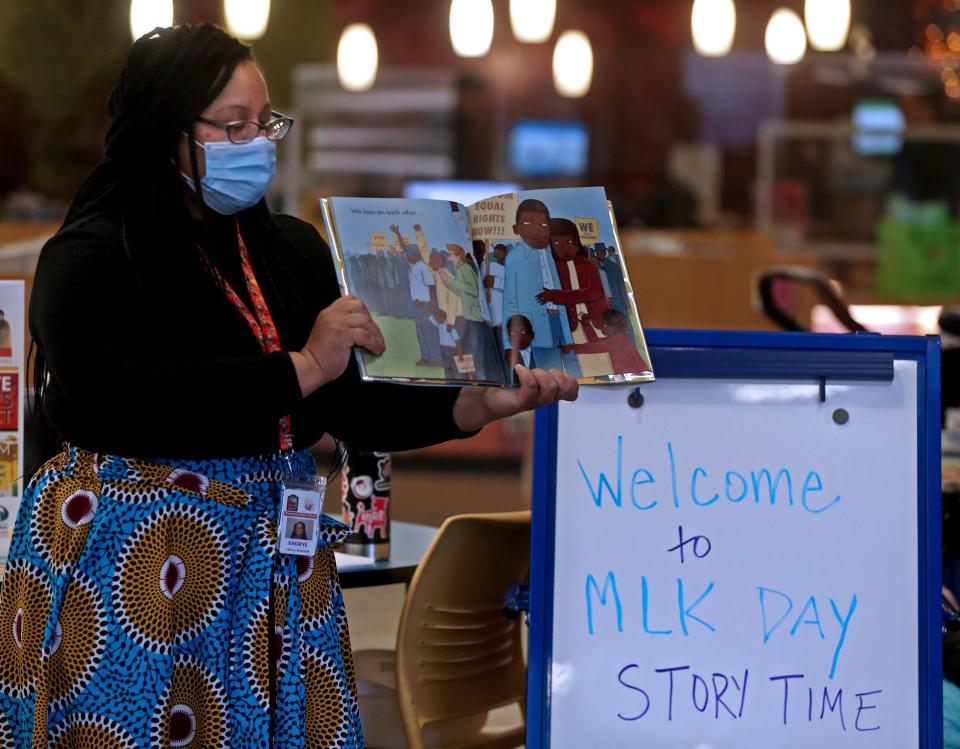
<point>12,354</point>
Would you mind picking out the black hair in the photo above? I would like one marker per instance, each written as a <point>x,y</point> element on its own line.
<point>168,78</point>
<point>521,320</point>
<point>479,249</point>
<point>562,227</point>
<point>532,205</point>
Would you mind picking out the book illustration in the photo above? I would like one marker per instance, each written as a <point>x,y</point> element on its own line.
<point>464,293</point>
<point>411,262</point>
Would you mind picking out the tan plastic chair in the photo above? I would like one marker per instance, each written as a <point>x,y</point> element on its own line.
<point>457,655</point>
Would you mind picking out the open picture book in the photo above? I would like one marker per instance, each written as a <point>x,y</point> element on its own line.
<point>463,293</point>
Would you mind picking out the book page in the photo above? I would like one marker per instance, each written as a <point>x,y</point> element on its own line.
<point>555,286</point>
<point>412,264</point>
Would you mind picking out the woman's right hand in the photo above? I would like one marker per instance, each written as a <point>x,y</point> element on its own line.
<point>338,328</point>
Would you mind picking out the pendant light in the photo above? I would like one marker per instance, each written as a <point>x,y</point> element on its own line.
<point>247,19</point>
<point>532,20</point>
<point>572,64</point>
<point>471,27</point>
<point>357,57</point>
<point>828,23</point>
<point>148,14</point>
<point>713,23</point>
<point>785,39</point>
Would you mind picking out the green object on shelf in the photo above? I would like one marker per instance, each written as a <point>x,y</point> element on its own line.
<point>918,252</point>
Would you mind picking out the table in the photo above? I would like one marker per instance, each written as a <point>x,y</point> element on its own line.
<point>408,543</point>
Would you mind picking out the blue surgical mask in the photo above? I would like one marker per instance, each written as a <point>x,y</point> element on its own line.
<point>237,174</point>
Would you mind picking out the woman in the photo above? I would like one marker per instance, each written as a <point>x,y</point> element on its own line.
<point>190,347</point>
<point>299,530</point>
<point>581,289</point>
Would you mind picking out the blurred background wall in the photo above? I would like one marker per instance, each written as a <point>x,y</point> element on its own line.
<point>650,91</point>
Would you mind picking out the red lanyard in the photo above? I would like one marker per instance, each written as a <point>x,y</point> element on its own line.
<point>259,320</point>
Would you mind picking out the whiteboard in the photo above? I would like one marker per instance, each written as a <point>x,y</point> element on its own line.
<point>790,623</point>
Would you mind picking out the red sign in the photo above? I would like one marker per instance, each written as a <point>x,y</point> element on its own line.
<point>9,401</point>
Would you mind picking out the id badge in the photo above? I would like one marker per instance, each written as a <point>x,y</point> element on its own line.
<point>301,502</point>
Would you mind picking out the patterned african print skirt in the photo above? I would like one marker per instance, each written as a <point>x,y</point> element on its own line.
<point>136,612</point>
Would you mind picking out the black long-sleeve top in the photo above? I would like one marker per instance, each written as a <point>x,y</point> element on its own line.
<point>180,375</point>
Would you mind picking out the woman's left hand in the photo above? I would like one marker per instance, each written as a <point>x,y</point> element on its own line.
<point>476,407</point>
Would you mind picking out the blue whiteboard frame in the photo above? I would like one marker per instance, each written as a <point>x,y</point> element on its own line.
<point>821,357</point>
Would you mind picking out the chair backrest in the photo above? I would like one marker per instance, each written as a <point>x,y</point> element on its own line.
<point>820,283</point>
<point>457,654</point>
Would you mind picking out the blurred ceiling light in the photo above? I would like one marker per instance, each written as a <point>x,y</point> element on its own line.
<point>471,27</point>
<point>786,39</point>
<point>828,23</point>
<point>572,64</point>
<point>148,14</point>
<point>532,20</point>
<point>713,23</point>
<point>357,57</point>
<point>247,19</point>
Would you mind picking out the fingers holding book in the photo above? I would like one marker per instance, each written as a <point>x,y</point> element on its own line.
<point>476,407</point>
<point>337,329</point>
<point>540,387</point>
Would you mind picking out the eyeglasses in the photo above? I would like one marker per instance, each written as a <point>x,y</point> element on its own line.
<point>244,131</point>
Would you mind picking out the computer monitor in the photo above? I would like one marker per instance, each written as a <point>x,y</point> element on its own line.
<point>877,127</point>
<point>459,191</point>
<point>548,148</point>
